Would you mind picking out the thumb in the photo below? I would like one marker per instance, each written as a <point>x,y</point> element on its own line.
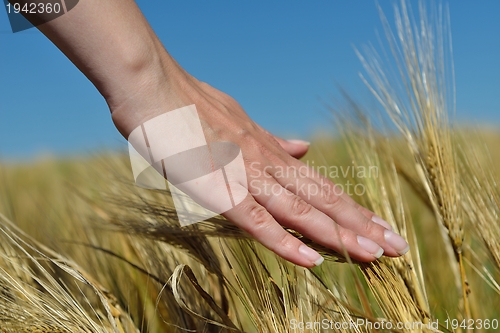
<point>296,148</point>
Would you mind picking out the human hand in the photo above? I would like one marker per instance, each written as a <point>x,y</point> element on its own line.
<point>114,46</point>
<point>282,191</point>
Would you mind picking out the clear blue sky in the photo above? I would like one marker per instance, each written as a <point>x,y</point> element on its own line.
<point>277,58</point>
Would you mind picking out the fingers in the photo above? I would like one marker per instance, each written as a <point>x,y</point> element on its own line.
<point>320,179</point>
<point>294,212</point>
<point>329,199</point>
<point>259,223</point>
<point>311,204</point>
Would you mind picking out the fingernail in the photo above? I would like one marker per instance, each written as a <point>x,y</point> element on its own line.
<point>311,255</point>
<point>300,142</point>
<point>396,241</point>
<point>370,246</point>
<point>377,219</point>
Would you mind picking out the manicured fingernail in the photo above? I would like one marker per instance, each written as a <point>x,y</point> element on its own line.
<point>311,255</point>
<point>300,142</point>
<point>396,241</point>
<point>377,219</point>
<point>370,246</point>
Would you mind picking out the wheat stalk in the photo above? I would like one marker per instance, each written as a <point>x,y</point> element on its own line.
<point>420,112</point>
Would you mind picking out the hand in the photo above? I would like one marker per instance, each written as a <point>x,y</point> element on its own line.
<point>114,46</point>
<point>282,191</point>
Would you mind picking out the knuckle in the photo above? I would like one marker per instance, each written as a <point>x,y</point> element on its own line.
<point>343,236</point>
<point>259,216</point>
<point>243,135</point>
<point>299,207</point>
<point>369,227</point>
<point>329,197</point>
<point>286,241</point>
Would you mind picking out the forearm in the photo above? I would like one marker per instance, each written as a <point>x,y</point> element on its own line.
<point>113,45</point>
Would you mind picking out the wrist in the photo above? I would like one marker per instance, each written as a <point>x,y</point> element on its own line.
<point>134,73</point>
<point>149,86</point>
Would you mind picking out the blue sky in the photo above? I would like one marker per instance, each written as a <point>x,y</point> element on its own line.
<point>278,59</point>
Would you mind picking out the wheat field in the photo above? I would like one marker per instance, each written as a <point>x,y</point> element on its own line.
<point>82,249</point>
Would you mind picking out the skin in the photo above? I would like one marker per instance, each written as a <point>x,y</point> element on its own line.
<point>113,45</point>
